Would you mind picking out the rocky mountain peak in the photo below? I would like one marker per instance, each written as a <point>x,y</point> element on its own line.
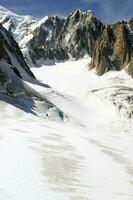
<point>77,12</point>
<point>79,33</point>
<point>54,38</point>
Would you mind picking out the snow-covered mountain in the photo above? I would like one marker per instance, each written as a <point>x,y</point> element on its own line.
<point>17,25</point>
<point>53,38</point>
<point>36,38</point>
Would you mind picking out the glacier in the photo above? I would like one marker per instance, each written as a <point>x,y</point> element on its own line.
<point>87,156</point>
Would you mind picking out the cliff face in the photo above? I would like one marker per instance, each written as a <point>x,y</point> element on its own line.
<point>60,38</point>
<point>80,31</point>
<point>42,47</point>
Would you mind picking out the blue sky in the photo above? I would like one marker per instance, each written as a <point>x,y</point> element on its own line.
<point>108,11</point>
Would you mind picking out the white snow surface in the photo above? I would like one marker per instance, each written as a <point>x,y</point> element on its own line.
<point>88,157</point>
<point>18,24</point>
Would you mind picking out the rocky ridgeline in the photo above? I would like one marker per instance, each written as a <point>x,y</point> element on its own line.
<point>56,38</point>
<point>53,38</point>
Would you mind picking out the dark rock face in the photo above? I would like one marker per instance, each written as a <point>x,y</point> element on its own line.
<point>45,36</point>
<point>43,44</point>
<point>12,65</point>
<point>102,52</point>
<point>9,49</point>
<point>113,49</point>
<point>54,38</point>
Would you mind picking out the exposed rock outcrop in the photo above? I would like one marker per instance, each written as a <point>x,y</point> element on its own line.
<point>43,45</point>
<point>13,66</point>
<point>80,31</point>
<point>113,49</point>
<point>10,51</point>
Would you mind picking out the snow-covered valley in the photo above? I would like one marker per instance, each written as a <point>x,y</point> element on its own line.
<point>88,156</point>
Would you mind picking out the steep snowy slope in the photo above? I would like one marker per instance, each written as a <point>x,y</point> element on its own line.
<point>11,53</point>
<point>12,58</point>
<point>17,25</point>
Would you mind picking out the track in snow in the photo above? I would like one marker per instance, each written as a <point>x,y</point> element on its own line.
<point>87,158</point>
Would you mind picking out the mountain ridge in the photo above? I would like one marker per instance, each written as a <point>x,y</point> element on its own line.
<point>41,30</point>
<point>55,39</point>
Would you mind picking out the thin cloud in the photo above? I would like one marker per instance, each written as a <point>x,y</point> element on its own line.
<point>112,10</point>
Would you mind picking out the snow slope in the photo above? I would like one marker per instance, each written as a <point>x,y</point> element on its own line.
<point>88,157</point>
